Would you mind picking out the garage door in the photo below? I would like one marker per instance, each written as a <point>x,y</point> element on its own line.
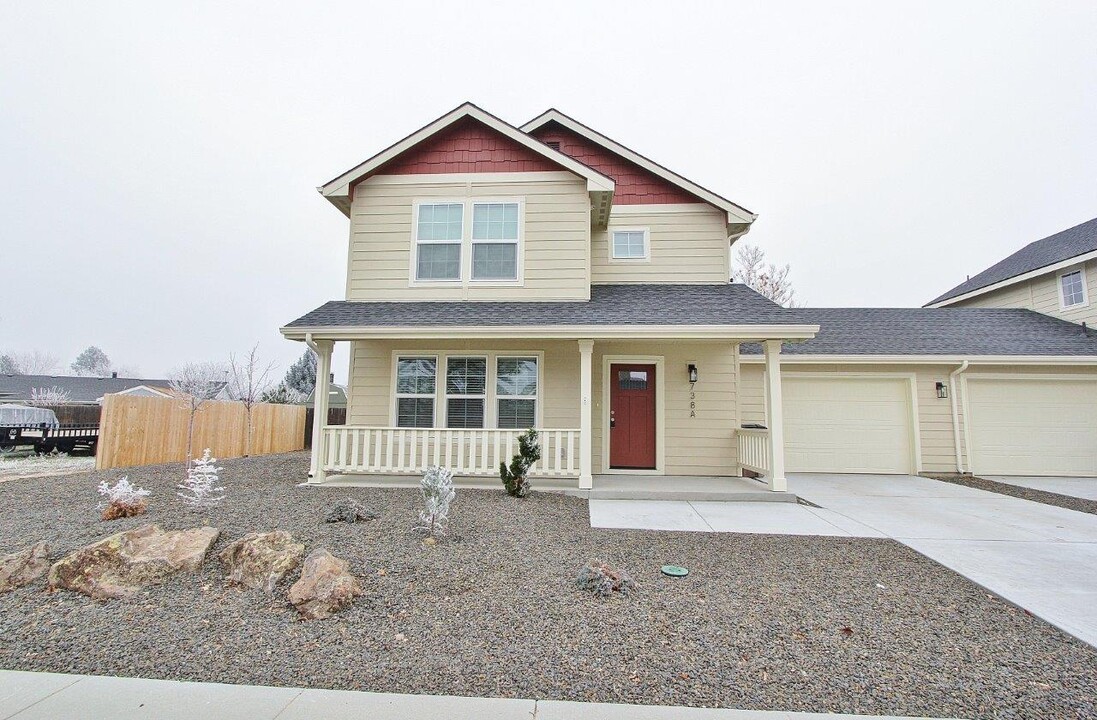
<point>847,425</point>
<point>1033,427</point>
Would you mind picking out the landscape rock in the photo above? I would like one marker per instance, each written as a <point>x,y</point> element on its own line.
<point>261,559</point>
<point>25,566</point>
<point>349,511</point>
<point>325,587</point>
<point>120,565</point>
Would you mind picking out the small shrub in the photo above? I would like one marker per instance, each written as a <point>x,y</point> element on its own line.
<point>122,499</point>
<point>200,489</point>
<point>603,580</point>
<point>438,494</point>
<point>516,477</point>
<point>349,511</point>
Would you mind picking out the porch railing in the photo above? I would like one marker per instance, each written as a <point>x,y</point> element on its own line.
<point>754,449</point>
<point>355,449</point>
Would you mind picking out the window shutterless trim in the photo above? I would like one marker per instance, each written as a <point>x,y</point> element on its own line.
<point>413,276</point>
<point>464,278</point>
<point>1081,272</point>
<point>613,257</point>
<point>447,395</point>
<point>536,397</point>
<point>397,395</point>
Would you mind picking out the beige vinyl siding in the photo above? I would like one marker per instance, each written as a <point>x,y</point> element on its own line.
<point>555,252</point>
<point>688,244</point>
<point>701,445</point>
<point>1042,295</point>
<point>934,414</point>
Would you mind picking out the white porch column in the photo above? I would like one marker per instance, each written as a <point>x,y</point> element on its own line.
<point>586,414</point>
<point>320,400</point>
<point>776,423</point>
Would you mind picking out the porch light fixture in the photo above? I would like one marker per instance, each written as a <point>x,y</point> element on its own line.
<point>942,390</point>
<point>692,372</point>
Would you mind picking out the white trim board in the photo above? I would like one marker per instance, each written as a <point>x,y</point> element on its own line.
<point>787,359</point>
<point>1046,269</point>
<point>747,333</point>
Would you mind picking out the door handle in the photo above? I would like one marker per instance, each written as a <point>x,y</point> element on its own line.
<point>612,423</point>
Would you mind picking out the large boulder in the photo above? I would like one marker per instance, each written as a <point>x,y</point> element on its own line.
<point>120,565</point>
<point>325,587</point>
<point>25,566</point>
<point>261,559</point>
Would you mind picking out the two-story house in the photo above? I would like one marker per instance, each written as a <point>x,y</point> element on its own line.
<point>502,277</point>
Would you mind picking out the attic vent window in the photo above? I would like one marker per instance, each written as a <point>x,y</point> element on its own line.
<point>554,144</point>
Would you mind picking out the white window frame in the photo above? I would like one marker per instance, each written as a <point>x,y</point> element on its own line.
<point>536,397</point>
<point>397,396</point>
<point>416,242</point>
<point>1085,289</point>
<point>464,278</point>
<point>647,245</point>
<point>463,396</point>
<point>441,357</point>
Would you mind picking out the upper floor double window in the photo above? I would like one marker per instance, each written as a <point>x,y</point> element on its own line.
<point>478,240</point>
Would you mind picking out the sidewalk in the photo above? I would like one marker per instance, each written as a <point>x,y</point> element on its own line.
<point>29,696</point>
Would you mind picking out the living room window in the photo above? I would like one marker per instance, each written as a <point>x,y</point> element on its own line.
<point>495,241</point>
<point>439,229</point>
<point>466,391</point>
<point>415,389</point>
<point>629,244</point>
<point>516,392</point>
<point>1072,289</point>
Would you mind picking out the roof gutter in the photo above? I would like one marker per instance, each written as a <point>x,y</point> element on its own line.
<point>956,414</point>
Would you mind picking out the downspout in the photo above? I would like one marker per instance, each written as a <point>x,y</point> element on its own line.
<point>956,414</point>
<point>311,344</point>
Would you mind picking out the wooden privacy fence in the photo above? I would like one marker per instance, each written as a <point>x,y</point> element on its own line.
<point>150,430</point>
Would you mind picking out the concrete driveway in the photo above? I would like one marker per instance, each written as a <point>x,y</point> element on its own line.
<point>1079,487</point>
<point>1040,557</point>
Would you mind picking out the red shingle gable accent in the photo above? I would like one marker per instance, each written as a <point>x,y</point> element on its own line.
<point>467,146</point>
<point>635,185</point>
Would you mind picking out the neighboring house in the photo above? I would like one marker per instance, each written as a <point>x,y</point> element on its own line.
<point>80,390</point>
<point>546,276</point>
<point>337,397</point>
<point>1053,276</point>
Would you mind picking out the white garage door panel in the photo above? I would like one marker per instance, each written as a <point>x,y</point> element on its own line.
<point>857,425</point>
<point>1033,427</point>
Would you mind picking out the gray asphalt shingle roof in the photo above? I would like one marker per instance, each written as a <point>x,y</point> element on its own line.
<point>723,304</point>
<point>80,389</point>
<point>1076,241</point>
<point>938,331</point>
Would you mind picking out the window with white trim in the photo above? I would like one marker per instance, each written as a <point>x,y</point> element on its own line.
<point>516,392</point>
<point>466,391</point>
<point>495,241</point>
<point>630,244</point>
<point>415,388</point>
<point>439,229</point>
<point>1072,289</point>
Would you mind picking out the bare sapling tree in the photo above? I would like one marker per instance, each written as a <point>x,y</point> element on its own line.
<point>249,383</point>
<point>46,396</point>
<point>767,279</point>
<point>195,384</point>
<point>34,362</point>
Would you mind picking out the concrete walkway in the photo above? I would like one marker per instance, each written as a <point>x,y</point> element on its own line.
<point>1037,556</point>
<point>41,696</point>
<point>740,517</point>
<point>1079,487</point>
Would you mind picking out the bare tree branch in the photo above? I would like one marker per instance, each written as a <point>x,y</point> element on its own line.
<point>195,384</point>
<point>249,382</point>
<point>35,362</point>
<point>767,279</point>
<point>43,396</point>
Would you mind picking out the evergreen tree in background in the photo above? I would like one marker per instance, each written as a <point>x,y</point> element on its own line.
<point>301,375</point>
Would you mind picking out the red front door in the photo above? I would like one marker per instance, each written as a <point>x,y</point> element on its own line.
<point>632,417</point>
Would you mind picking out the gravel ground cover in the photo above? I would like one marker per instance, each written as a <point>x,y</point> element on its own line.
<point>14,467</point>
<point>762,622</point>
<point>1040,496</point>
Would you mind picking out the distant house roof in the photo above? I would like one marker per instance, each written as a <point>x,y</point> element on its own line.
<point>635,306</point>
<point>1058,248</point>
<point>337,397</point>
<point>81,390</point>
<point>954,332</point>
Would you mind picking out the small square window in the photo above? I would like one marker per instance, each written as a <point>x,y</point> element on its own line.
<point>1073,288</point>
<point>632,379</point>
<point>630,244</point>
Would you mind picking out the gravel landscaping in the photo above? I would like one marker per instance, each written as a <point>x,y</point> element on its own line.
<point>1040,496</point>
<point>14,467</point>
<point>761,622</point>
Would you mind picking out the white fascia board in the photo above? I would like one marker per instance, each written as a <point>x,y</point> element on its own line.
<point>745,333</point>
<point>787,359</point>
<point>737,214</point>
<point>340,186</point>
<point>1045,270</point>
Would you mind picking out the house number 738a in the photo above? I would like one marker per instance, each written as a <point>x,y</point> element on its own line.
<point>692,400</point>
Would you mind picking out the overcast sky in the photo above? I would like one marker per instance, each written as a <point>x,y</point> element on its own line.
<point>158,161</point>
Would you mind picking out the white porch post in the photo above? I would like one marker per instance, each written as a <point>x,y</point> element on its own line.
<point>776,423</point>
<point>586,414</point>
<point>320,399</point>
